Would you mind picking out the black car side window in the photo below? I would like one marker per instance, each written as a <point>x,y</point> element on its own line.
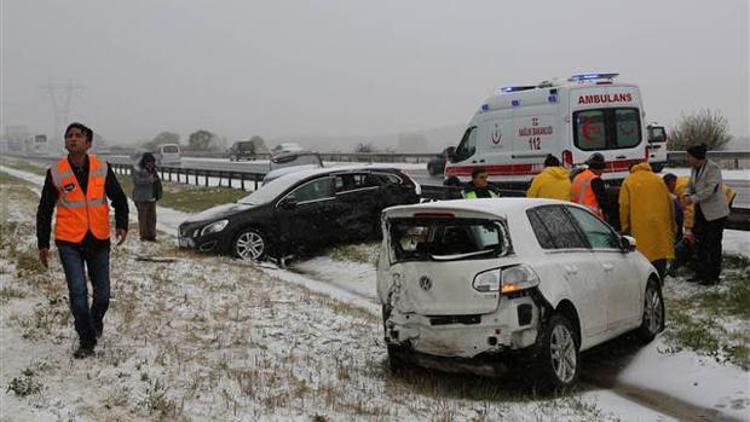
<point>350,182</point>
<point>314,190</point>
<point>554,228</point>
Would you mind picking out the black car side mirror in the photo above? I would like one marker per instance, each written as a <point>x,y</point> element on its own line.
<point>288,203</point>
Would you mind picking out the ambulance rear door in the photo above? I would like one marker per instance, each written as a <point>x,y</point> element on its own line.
<point>496,147</point>
<point>608,119</point>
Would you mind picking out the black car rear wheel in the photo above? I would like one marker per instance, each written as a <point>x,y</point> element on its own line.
<point>251,244</point>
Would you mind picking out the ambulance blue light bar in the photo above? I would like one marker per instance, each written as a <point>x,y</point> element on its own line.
<point>509,89</point>
<point>578,77</point>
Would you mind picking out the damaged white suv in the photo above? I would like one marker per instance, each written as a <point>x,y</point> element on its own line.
<point>478,285</point>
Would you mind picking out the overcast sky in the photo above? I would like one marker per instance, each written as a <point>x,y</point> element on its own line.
<point>294,67</point>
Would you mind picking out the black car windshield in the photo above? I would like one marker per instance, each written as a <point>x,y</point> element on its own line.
<point>295,160</point>
<point>446,239</point>
<point>269,191</point>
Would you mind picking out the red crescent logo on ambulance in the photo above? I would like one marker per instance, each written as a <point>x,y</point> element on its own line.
<point>496,138</point>
<point>585,129</point>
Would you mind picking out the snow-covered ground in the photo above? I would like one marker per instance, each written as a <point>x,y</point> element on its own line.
<point>218,338</point>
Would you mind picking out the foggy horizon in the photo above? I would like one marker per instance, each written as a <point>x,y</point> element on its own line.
<point>350,68</point>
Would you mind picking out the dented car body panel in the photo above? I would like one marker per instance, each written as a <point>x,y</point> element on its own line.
<point>470,305</point>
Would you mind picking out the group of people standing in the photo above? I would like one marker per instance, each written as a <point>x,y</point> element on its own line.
<point>674,220</point>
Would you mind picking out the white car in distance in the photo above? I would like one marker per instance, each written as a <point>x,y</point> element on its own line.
<point>478,285</point>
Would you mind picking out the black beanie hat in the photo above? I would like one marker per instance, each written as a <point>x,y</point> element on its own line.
<point>596,161</point>
<point>698,151</point>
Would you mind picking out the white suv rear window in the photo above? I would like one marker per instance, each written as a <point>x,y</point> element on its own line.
<point>442,239</point>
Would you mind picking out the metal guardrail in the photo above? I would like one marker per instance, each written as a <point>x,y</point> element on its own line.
<point>739,219</point>
<point>726,159</point>
<point>200,175</point>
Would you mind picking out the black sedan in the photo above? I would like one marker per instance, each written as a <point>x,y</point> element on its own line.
<point>301,210</point>
<point>436,165</point>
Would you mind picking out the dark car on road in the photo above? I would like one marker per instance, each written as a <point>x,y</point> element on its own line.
<point>291,161</point>
<point>300,211</point>
<point>241,150</point>
<point>436,165</point>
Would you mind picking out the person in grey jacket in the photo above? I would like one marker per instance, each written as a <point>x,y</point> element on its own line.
<point>147,190</point>
<point>711,211</point>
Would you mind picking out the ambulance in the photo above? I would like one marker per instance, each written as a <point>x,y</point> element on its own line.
<point>514,130</point>
<point>657,146</point>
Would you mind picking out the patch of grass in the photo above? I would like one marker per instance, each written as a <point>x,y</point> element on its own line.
<point>9,292</point>
<point>158,404</point>
<point>39,169</point>
<point>735,261</point>
<point>188,198</point>
<point>25,384</point>
<point>734,300</point>
<point>27,263</point>
<point>366,253</point>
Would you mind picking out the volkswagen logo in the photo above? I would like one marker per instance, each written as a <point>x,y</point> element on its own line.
<point>425,283</point>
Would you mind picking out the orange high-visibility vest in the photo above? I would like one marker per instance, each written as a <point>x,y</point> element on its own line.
<point>77,213</point>
<point>581,192</point>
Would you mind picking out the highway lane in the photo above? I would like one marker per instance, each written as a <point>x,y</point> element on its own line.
<point>417,171</point>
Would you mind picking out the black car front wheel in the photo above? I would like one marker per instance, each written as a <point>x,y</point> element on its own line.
<point>251,244</point>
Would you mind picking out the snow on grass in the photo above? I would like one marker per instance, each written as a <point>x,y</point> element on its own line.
<point>214,338</point>
<point>221,338</point>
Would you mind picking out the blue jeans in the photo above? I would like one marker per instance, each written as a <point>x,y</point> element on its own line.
<point>96,261</point>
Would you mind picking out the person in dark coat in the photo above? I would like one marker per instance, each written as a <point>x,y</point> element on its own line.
<point>147,190</point>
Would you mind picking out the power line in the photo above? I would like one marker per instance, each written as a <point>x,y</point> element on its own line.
<point>61,94</point>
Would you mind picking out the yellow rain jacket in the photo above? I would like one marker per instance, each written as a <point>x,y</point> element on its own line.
<point>688,210</point>
<point>552,182</point>
<point>647,212</point>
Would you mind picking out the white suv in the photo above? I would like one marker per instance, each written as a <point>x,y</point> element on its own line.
<point>476,285</point>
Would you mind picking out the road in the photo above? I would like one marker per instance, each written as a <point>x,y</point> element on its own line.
<point>420,175</point>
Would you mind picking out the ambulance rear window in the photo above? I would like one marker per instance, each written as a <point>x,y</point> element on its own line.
<point>608,128</point>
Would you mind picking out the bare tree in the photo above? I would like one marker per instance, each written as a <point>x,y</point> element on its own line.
<point>703,126</point>
<point>363,147</point>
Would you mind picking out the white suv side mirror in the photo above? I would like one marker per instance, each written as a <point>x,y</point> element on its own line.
<point>627,243</point>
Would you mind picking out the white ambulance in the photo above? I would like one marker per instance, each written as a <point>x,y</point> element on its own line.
<point>657,146</point>
<point>515,129</point>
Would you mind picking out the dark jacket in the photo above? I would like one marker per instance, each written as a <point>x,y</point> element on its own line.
<point>144,190</point>
<point>48,201</point>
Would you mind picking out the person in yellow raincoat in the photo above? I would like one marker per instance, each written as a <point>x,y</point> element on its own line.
<point>647,212</point>
<point>553,182</point>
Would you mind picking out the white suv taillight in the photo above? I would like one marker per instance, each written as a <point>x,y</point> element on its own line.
<point>518,277</point>
<point>488,281</point>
